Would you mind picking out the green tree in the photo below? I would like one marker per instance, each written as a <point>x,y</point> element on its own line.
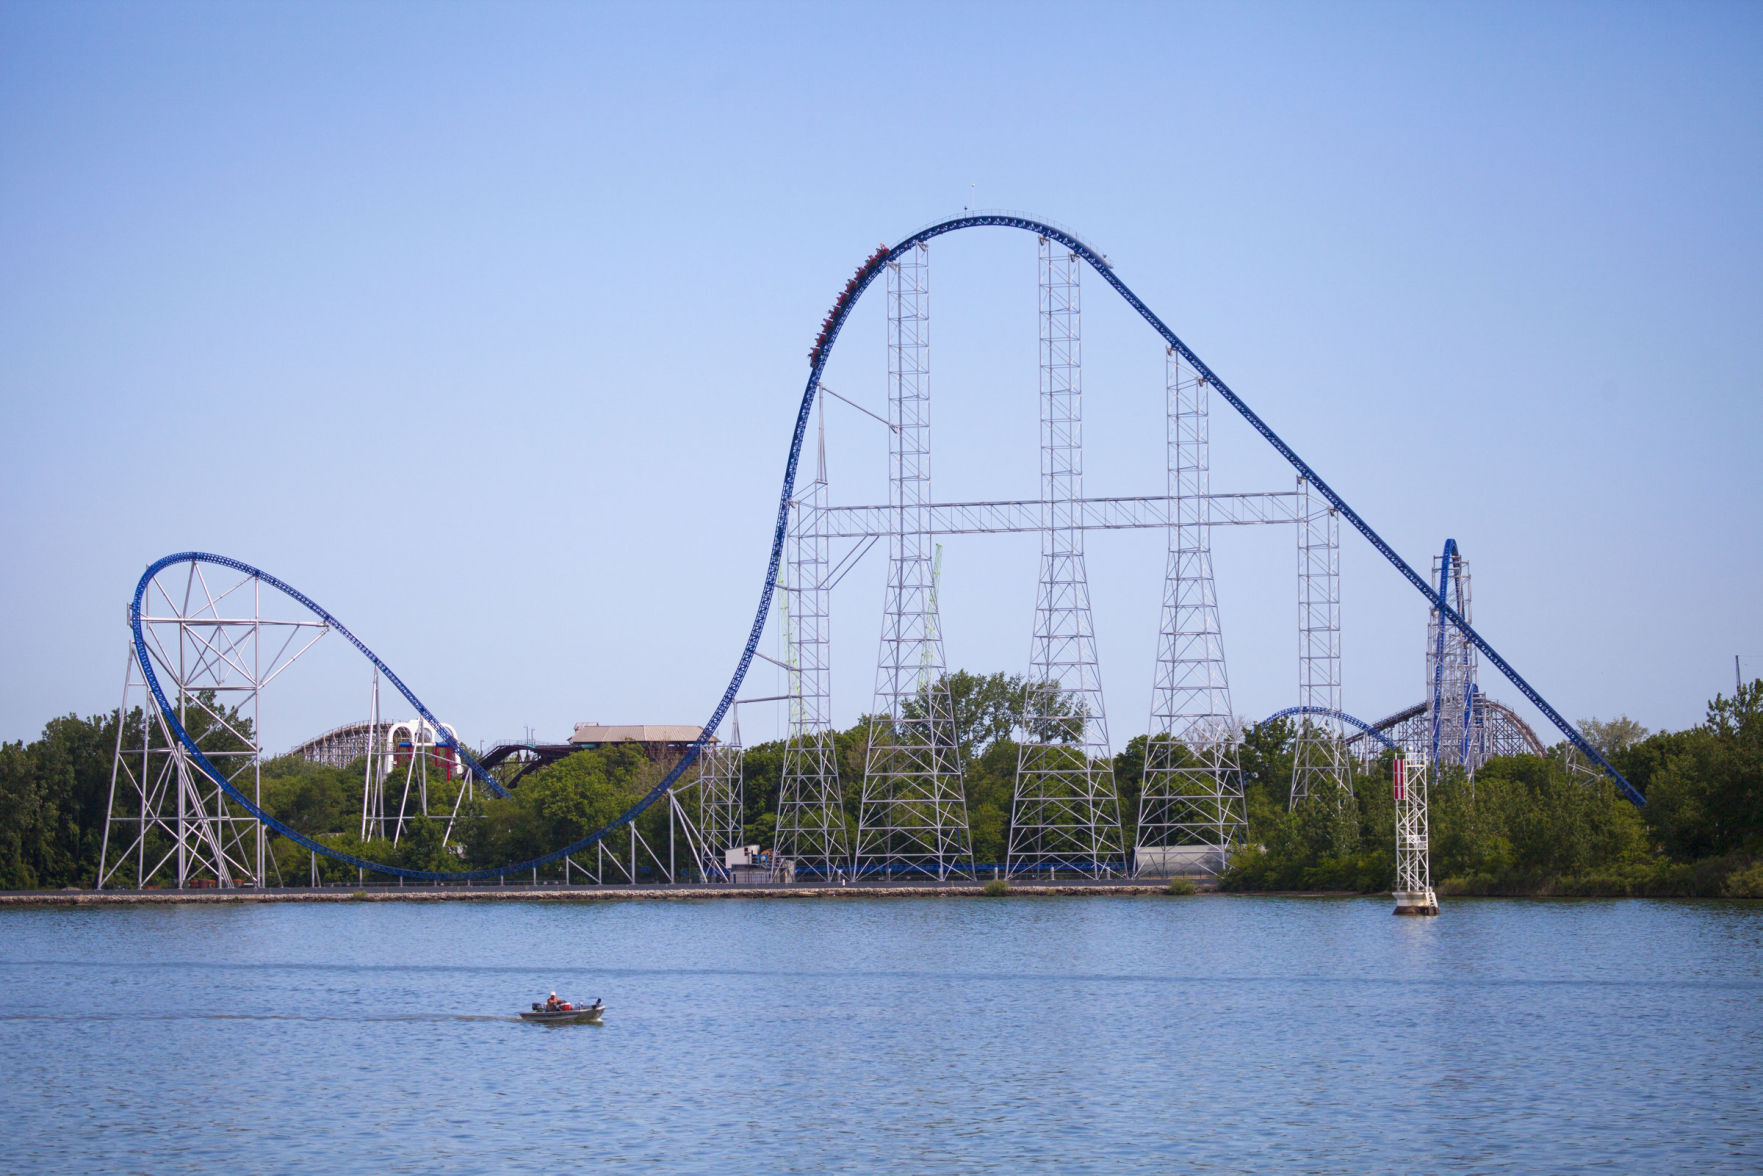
<point>1705,791</point>
<point>1614,737</point>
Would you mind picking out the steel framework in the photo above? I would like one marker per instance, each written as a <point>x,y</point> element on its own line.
<point>211,650</point>
<point>721,794</point>
<point>1496,730</point>
<point>882,260</point>
<point>373,774</point>
<point>1191,811</point>
<point>913,814</point>
<point>1456,725</point>
<point>1414,894</point>
<point>341,746</point>
<point>1089,514</point>
<point>413,745</point>
<point>186,804</point>
<point>810,808</point>
<point>1064,814</point>
<point>1319,760</point>
<point>407,748</point>
<point>1450,671</point>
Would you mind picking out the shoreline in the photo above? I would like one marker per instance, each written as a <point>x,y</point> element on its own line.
<point>689,893</point>
<point>560,893</point>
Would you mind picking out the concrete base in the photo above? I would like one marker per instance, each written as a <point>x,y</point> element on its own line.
<point>1416,902</point>
<point>1178,861</point>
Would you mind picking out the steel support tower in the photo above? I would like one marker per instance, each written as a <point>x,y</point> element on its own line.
<point>373,772</point>
<point>913,814</point>
<point>1454,736</point>
<point>1064,814</point>
<point>1414,894</point>
<point>1319,760</point>
<point>213,649</point>
<point>1191,810</point>
<point>810,811</point>
<point>720,797</point>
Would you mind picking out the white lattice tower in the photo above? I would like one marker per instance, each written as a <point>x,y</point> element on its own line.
<point>1414,894</point>
<point>720,797</point>
<point>212,650</point>
<point>373,775</point>
<point>810,812</point>
<point>1319,760</point>
<point>1191,810</point>
<point>1064,814</point>
<point>1455,737</point>
<point>913,814</point>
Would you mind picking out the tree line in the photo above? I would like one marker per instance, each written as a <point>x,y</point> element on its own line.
<point>1522,825</point>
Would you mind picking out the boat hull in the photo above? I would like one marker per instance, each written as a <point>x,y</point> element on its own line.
<point>587,1016</point>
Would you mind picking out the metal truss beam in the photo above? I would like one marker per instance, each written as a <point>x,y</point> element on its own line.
<point>1090,514</point>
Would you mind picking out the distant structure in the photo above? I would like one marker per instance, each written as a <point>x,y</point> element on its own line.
<point>397,741</point>
<point>407,748</point>
<point>1495,730</point>
<point>341,746</point>
<point>658,741</point>
<point>1414,894</point>
<point>1455,725</point>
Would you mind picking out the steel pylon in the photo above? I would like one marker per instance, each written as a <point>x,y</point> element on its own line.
<point>810,809</point>
<point>1191,809</point>
<point>720,798</point>
<point>912,818</point>
<point>1064,814</point>
<point>1319,760</point>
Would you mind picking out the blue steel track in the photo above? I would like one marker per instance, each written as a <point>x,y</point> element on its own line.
<point>1361,724</point>
<point>817,363</point>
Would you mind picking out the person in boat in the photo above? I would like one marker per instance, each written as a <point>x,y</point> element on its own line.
<point>552,1003</point>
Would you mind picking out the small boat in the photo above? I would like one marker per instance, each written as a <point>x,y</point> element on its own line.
<point>583,1015</point>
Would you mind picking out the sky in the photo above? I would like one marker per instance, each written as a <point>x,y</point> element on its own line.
<point>484,325</point>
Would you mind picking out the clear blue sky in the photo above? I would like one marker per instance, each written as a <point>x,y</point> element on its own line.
<point>484,325</point>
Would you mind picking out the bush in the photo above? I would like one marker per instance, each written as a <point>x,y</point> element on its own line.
<point>997,888</point>
<point>1744,883</point>
<point>1181,886</point>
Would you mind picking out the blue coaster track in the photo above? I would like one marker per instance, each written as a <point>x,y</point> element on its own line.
<point>817,358</point>
<point>1343,716</point>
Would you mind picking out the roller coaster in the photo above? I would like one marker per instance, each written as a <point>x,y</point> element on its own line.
<point>206,642</point>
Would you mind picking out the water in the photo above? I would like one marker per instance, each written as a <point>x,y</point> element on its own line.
<point>1007,1035</point>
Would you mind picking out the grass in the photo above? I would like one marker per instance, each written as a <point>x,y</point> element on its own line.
<point>1181,886</point>
<point>997,888</point>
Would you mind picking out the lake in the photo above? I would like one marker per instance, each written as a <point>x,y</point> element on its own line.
<point>1070,1034</point>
